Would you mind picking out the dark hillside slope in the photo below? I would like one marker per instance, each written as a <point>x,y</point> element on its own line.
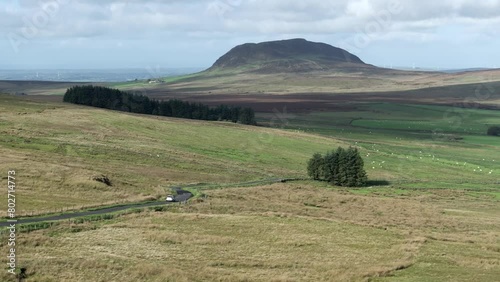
<point>294,55</point>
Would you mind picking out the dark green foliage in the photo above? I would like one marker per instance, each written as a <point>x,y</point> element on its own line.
<point>494,131</point>
<point>113,99</point>
<point>246,116</point>
<point>340,167</point>
<point>343,177</point>
<point>315,167</point>
<point>331,166</point>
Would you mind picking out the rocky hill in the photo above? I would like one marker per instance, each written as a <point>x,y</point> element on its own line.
<point>294,55</point>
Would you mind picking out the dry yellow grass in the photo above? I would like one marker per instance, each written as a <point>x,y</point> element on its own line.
<point>319,82</point>
<point>57,148</point>
<point>281,232</point>
<point>279,83</point>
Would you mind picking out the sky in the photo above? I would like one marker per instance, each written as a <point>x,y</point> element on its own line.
<point>100,34</point>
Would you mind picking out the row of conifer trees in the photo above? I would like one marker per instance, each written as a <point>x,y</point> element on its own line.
<point>114,99</point>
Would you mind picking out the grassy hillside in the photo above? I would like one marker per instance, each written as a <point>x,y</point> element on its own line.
<point>57,148</point>
<point>240,81</point>
<point>428,216</point>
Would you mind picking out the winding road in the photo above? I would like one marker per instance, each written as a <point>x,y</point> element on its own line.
<point>182,196</point>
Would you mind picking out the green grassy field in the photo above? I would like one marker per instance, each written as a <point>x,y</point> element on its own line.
<point>430,214</point>
<point>415,146</point>
<point>57,148</point>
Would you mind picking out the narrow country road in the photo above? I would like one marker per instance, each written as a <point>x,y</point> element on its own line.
<point>182,196</point>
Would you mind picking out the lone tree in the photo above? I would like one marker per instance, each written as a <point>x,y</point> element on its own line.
<point>340,167</point>
<point>494,131</point>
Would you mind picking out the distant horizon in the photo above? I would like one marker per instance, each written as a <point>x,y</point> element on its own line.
<point>131,74</point>
<point>115,34</point>
<point>206,67</point>
<point>91,75</point>
<point>96,69</point>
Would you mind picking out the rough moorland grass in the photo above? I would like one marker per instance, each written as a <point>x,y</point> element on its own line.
<point>241,81</point>
<point>56,149</point>
<point>282,232</point>
<point>404,231</point>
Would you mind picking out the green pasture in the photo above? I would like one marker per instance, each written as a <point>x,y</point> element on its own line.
<point>414,146</point>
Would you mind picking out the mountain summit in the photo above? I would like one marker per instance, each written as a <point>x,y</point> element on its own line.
<point>293,55</point>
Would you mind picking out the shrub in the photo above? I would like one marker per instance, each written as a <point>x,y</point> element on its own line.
<point>494,131</point>
<point>340,167</point>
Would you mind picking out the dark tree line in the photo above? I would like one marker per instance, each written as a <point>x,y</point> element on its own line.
<point>340,167</point>
<point>114,99</point>
<point>494,131</point>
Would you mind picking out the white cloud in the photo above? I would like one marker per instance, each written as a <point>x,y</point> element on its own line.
<point>134,18</point>
<point>359,8</point>
<point>236,21</point>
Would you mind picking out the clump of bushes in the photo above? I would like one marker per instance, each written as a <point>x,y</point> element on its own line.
<point>494,131</point>
<point>340,167</point>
